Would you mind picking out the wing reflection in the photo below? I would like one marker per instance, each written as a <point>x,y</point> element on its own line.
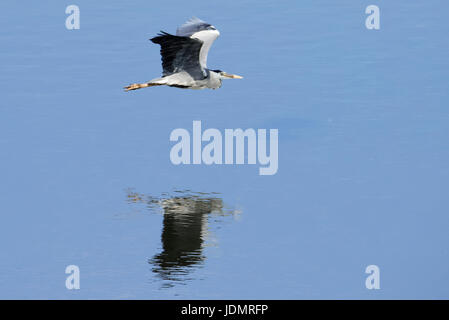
<point>185,230</point>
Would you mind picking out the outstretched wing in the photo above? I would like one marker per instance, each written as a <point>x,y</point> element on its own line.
<point>192,26</point>
<point>180,53</point>
<point>198,29</point>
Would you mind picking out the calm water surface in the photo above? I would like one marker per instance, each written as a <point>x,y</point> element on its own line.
<point>363,153</point>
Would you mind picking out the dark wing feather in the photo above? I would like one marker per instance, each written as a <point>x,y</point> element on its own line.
<point>180,54</point>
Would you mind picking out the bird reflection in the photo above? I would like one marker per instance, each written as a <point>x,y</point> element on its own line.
<point>185,230</point>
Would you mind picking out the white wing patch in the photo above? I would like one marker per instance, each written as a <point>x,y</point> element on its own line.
<point>208,37</point>
<point>190,25</point>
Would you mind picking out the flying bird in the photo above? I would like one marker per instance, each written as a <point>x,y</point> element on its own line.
<point>184,58</point>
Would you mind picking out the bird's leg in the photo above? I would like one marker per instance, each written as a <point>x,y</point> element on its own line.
<point>136,86</point>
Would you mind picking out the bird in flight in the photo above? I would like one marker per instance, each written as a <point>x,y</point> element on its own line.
<point>184,58</point>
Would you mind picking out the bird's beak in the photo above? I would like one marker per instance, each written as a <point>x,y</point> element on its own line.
<point>231,76</point>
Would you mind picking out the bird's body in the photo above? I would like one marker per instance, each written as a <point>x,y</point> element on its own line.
<point>185,80</point>
<point>184,58</point>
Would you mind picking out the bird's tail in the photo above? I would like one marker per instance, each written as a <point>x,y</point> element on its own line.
<point>136,86</point>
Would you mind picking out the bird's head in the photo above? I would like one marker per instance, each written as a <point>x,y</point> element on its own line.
<point>224,75</point>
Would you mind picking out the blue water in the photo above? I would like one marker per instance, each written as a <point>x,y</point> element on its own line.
<point>363,173</point>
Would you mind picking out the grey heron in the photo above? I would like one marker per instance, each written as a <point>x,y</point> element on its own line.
<point>184,58</point>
